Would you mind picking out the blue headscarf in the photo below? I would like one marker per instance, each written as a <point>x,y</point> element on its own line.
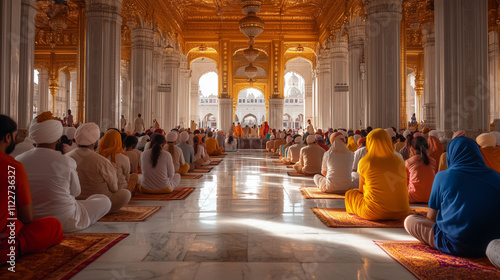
<point>463,153</point>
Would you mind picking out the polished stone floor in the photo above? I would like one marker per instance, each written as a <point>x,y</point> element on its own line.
<point>245,220</point>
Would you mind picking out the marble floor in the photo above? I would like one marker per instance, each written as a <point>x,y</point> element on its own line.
<point>245,220</point>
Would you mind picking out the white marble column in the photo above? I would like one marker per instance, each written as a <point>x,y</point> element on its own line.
<point>103,50</point>
<point>141,68</point>
<point>10,28</point>
<point>73,103</point>
<point>126,97</point>
<point>276,113</point>
<point>26,63</point>
<point>325,90</point>
<point>493,75</point>
<point>225,120</point>
<point>308,101</point>
<point>383,62</point>
<point>430,90</point>
<point>184,94</point>
<point>461,57</point>
<point>43,91</point>
<point>194,99</point>
<point>156,80</point>
<point>357,91</point>
<point>172,73</point>
<point>339,105</point>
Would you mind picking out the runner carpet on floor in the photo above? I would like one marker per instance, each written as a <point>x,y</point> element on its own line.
<point>426,263</point>
<point>131,213</point>
<point>177,194</point>
<point>191,176</point>
<point>339,218</point>
<point>297,174</point>
<point>315,193</point>
<point>63,261</point>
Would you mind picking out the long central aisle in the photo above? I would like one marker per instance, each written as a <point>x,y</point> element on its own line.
<point>246,220</point>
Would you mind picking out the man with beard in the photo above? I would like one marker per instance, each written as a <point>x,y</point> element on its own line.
<point>21,234</point>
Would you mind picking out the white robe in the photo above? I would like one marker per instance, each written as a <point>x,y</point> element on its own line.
<point>161,176</point>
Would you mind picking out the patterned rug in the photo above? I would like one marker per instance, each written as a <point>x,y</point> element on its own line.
<point>219,156</point>
<point>63,261</point>
<point>200,170</point>
<point>177,194</point>
<point>297,174</point>
<point>339,218</point>
<point>132,214</point>
<point>215,162</point>
<point>427,263</point>
<point>315,193</point>
<point>191,176</point>
<point>275,156</point>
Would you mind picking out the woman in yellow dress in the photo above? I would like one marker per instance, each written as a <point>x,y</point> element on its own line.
<point>382,193</point>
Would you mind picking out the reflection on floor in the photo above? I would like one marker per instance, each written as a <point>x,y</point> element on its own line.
<point>245,220</point>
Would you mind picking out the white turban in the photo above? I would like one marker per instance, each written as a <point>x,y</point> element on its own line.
<point>142,141</point>
<point>282,136</point>
<point>406,133</point>
<point>183,137</point>
<point>391,132</point>
<point>357,137</point>
<point>344,133</point>
<point>87,134</point>
<point>289,139</point>
<point>171,136</point>
<point>298,139</point>
<point>69,131</point>
<point>46,132</point>
<point>486,140</point>
<point>311,139</point>
<point>434,133</point>
<point>319,137</point>
<point>497,135</point>
<point>272,137</point>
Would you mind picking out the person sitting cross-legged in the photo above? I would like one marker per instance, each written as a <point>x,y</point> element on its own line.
<point>464,206</point>
<point>158,173</point>
<point>54,182</point>
<point>212,144</point>
<point>382,193</point>
<point>180,165</point>
<point>96,173</point>
<point>24,234</point>
<point>310,158</point>
<point>336,167</point>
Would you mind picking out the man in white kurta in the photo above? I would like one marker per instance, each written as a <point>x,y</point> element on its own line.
<point>294,151</point>
<point>54,182</point>
<point>139,126</point>
<point>336,167</point>
<point>96,173</point>
<point>311,157</point>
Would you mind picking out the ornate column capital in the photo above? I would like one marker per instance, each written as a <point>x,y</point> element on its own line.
<point>31,3</point>
<point>356,30</point>
<point>142,38</point>
<point>339,47</point>
<point>384,9</point>
<point>429,34</point>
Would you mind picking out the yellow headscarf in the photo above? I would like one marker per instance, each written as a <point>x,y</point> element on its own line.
<point>111,144</point>
<point>351,144</point>
<point>384,173</point>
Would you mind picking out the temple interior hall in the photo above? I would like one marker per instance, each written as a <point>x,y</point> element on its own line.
<point>406,64</point>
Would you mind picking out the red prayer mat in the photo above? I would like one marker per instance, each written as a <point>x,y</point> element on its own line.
<point>63,261</point>
<point>191,176</point>
<point>178,194</point>
<point>132,214</point>
<point>200,170</point>
<point>297,174</point>
<point>316,193</point>
<point>425,262</point>
<point>339,218</point>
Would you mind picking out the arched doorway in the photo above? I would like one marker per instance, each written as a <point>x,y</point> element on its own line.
<point>294,100</point>
<point>208,102</point>
<point>251,107</point>
<point>209,121</point>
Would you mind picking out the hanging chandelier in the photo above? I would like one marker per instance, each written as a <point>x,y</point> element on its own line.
<point>251,6</point>
<point>251,26</point>
<point>299,49</point>
<point>251,54</point>
<point>251,71</point>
